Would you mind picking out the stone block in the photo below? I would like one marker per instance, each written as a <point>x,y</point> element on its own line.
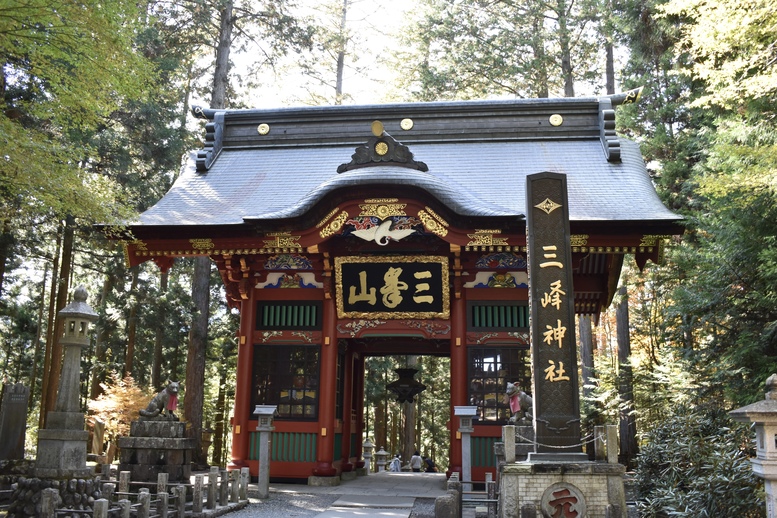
<point>446,506</point>
<point>323,481</point>
<point>348,475</point>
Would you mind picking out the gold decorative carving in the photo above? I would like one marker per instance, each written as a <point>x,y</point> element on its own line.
<point>578,240</point>
<point>406,124</point>
<point>202,244</point>
<point>431,222</point>
<point>263,129</point>
<point>139,245</point>
<point>327,217</point>
<point>282,240</point>
<point>382,210</point>
<point>381,200</point>
<point>377,128</point>
<point>556,120</point>
<point>548,206</point>
<point>334,226</point>
<point>381,148</point>
<point>653,239</point>
<point>486,238</point>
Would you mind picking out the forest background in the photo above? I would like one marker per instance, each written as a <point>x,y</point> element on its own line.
<point>94,122</point>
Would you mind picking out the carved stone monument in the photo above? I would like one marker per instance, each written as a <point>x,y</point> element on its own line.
<point>158,442</point>
<point>556,479</point>
<point>13,421</point>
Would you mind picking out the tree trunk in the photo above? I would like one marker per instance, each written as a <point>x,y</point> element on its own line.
<point>409,410</point>
<point>55,367</point>
<point>98,369</point>
<point>586,353</point>
<point>6,245</point>
<point>195,359</point>
<point>221,411</point>
<point>342,43</point>
<point>132,323</point>
<point>541,87</point>
<point>156,367</point>
<point>45,381</point>
<point>566,50</point>
<point>223,47</point>
<point>628,425</point>
<point>38,333</point>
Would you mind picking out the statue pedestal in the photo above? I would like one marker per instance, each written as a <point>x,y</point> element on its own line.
<point>555,488</point>
<point>154,447</point>
<point>62,447</point>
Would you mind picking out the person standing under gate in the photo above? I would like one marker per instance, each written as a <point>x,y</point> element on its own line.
<point>416,462</point>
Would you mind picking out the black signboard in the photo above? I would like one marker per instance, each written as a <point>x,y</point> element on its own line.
<point>392,287</point>
<point>554,354</point>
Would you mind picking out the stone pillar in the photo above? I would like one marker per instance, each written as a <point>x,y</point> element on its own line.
<point>466,413</point>
<point>265,428</point>
<point>62,444</point>
<point>764,415</point>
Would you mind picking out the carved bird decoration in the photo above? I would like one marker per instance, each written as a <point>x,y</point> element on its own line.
<point>382,233</point>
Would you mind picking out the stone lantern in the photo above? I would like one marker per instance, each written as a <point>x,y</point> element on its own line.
<point>380,459</point>
<point>367,446</point>
<point>62,444</point>
<point>764,415</point>
<point>265,414</point>
<point>466,415</point>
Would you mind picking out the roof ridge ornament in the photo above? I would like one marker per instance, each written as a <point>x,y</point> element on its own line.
<point>612,146</point>
<point>381,149</point>
<point>214,134</point>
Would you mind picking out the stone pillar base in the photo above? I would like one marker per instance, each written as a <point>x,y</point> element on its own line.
<point>323,481</point>
<point>594,488</point>
<point>62,454</point>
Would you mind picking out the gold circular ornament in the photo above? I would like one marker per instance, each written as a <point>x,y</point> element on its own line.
<point>406,124</point>
<point>377,128</point>
<point>383,212</point>
<point>381,148</point>
<point>263,129</point>
<point>556,120</point>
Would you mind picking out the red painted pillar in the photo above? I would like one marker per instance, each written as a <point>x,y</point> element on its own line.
<point>327,393</point>
<point>458,374</point>
<point>245,361</point>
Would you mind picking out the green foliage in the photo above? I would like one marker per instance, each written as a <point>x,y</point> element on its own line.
<point>695,464</point>
<point>472,49</point>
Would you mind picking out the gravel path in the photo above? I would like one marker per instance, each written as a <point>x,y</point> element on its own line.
<point>294,505</point>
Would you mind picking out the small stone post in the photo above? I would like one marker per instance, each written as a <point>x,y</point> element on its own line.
<point>197,493</point>
<point>245,478</point>
<point>265,428</point>
<point>213,476</point>
<point>764,415</point>
<point>466,413</point>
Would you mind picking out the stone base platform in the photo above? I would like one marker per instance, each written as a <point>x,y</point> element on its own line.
<point>542,488</point>
<point>155,447</point>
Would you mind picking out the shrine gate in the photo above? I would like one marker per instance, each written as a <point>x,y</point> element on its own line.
<point>346,231</point>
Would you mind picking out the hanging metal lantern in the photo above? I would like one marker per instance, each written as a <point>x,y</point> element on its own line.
<point>406,387</point>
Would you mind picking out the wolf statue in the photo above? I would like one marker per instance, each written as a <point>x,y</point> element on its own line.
<point>162,406</point>
<point>521,403</point>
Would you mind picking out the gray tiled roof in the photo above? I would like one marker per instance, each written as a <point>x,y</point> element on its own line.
<point>471,178</point>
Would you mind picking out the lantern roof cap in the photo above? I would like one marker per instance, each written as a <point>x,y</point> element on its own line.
<point>79,308</point>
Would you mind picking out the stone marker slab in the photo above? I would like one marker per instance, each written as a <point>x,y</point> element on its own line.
<point>13,421</point>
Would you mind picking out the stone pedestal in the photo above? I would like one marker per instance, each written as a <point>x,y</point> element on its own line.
<point>593,489</point>
<point>155,447</point>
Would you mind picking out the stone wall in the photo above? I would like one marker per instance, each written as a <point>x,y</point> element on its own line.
<point>77,494</point>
